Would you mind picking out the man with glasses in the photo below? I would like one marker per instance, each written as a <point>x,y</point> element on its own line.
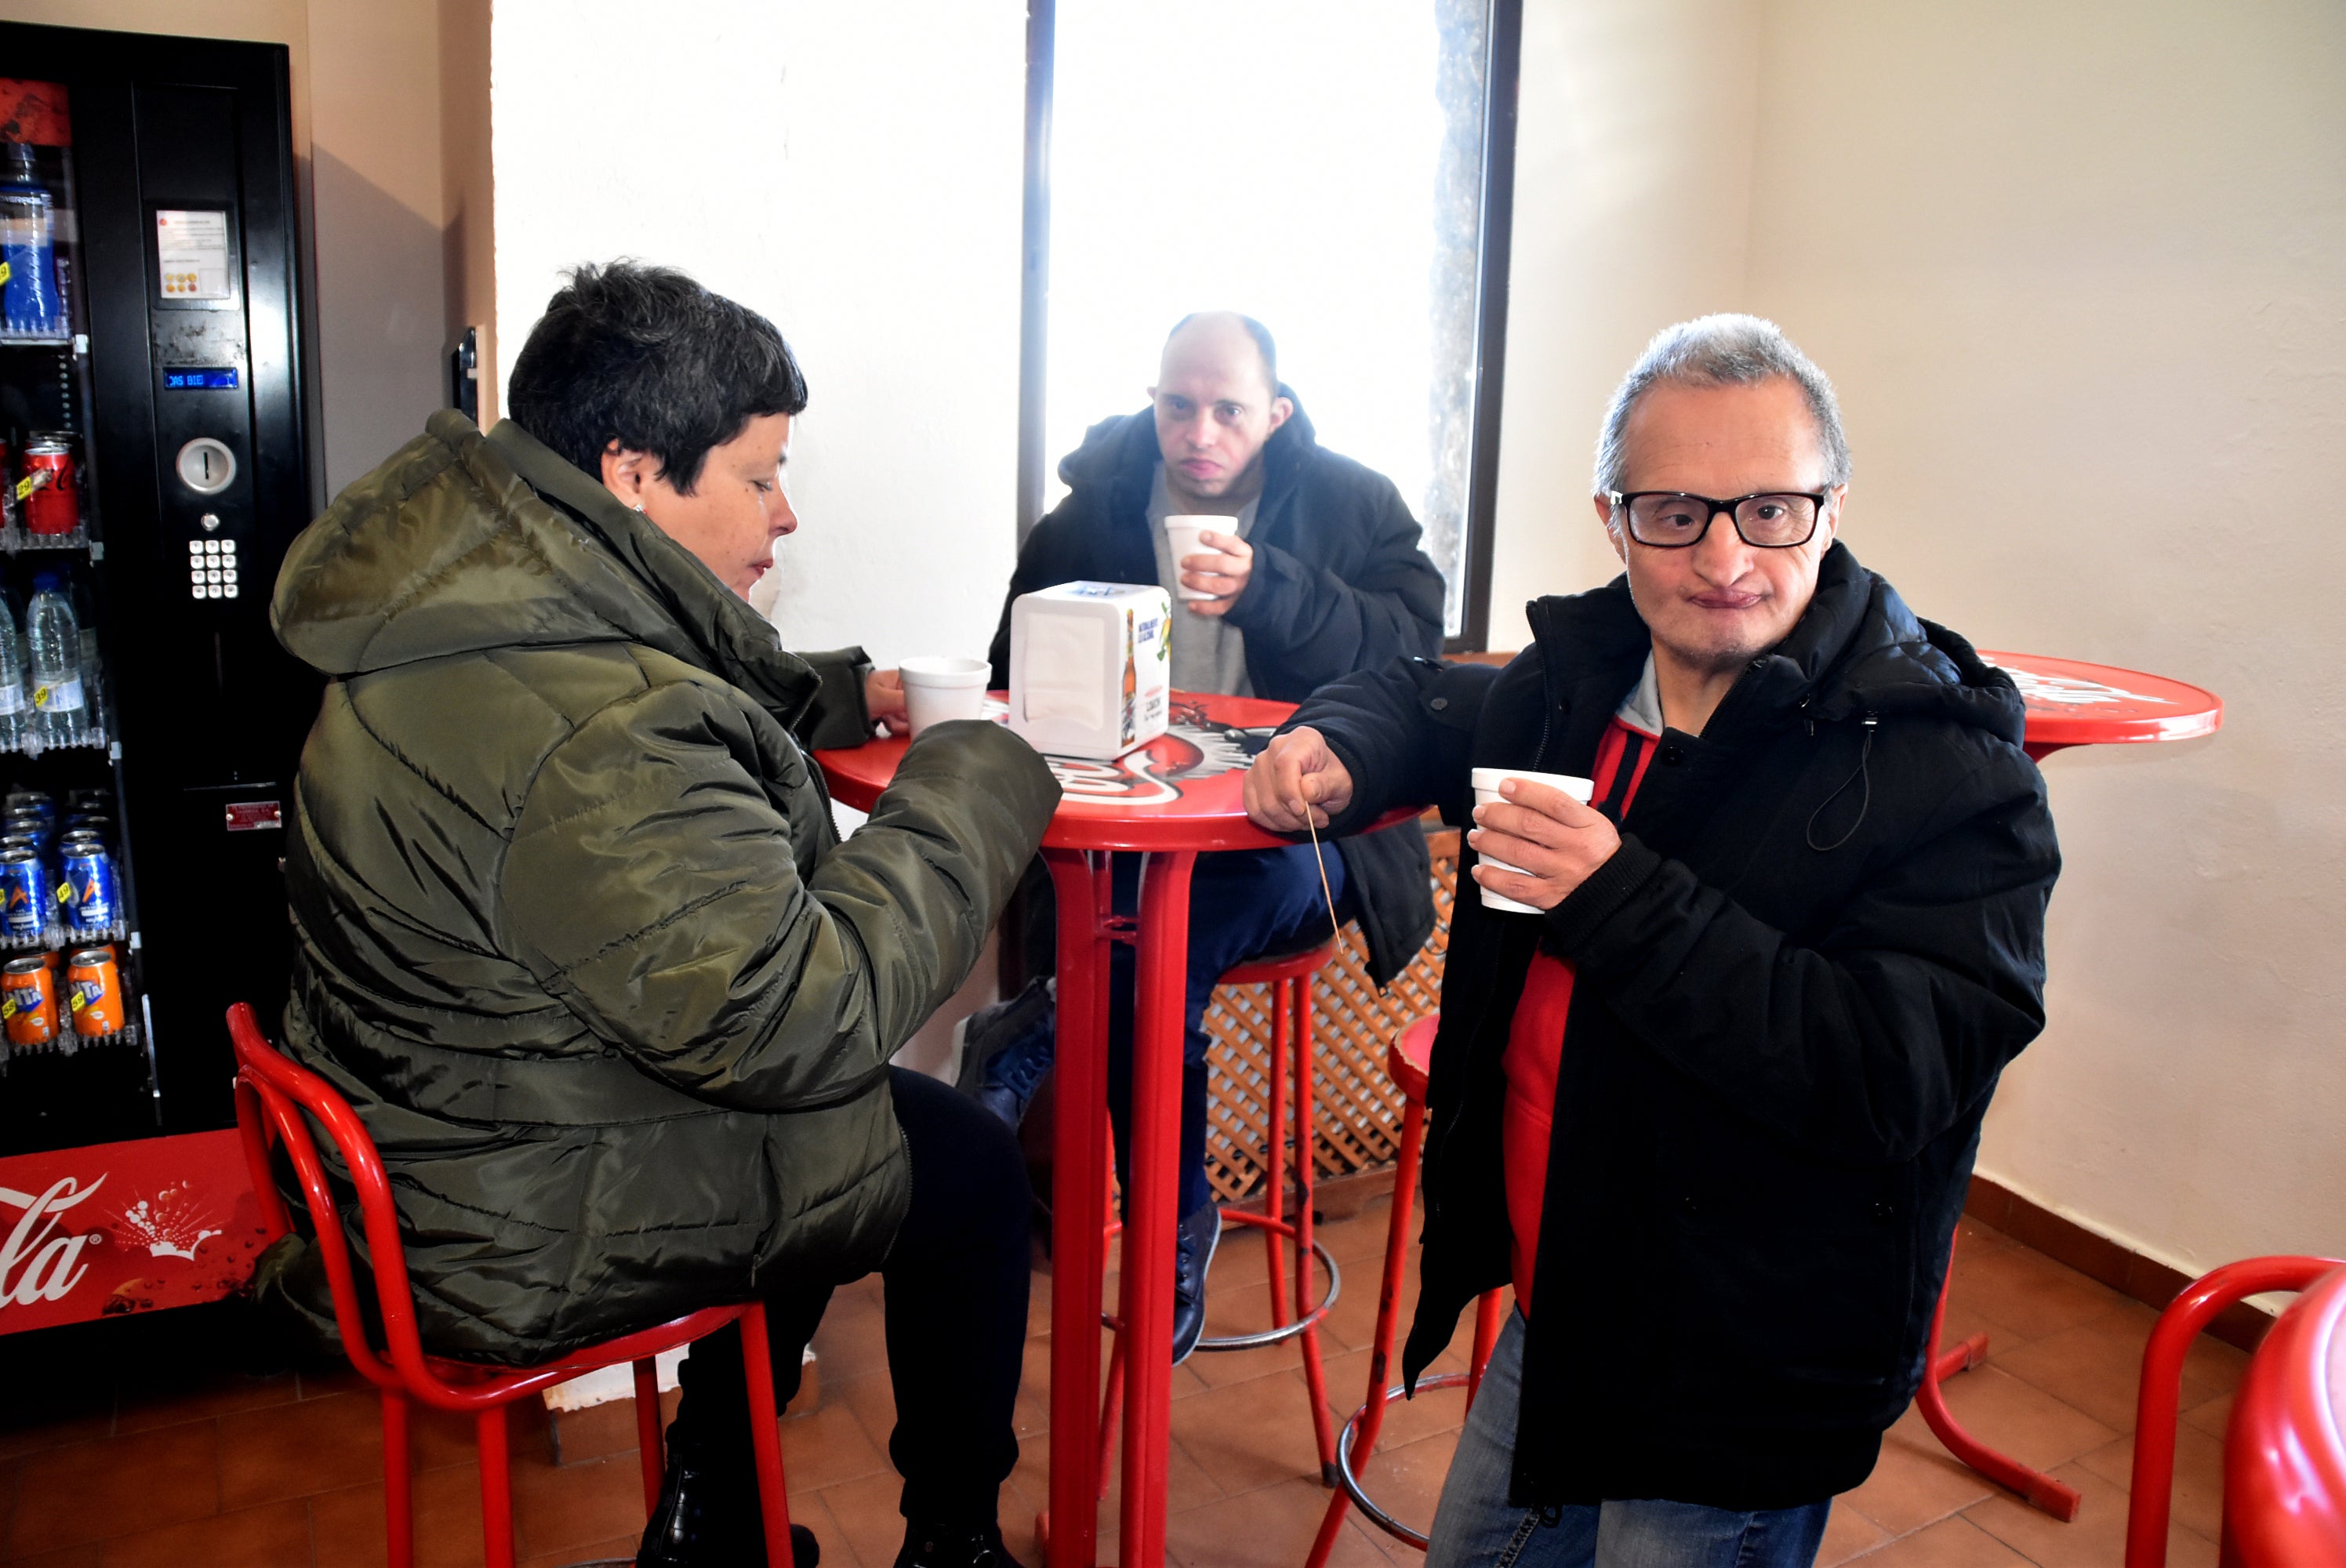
<point>1316,573</point>
<point>1713,1109</point>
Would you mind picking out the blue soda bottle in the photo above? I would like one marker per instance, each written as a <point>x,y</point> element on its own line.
<point>30,303</point>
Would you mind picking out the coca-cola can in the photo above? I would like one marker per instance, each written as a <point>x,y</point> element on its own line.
<point>51,501</point>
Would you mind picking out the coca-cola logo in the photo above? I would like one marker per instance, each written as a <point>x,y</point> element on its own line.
<point>1194,747</point>
<point>41,1258</point>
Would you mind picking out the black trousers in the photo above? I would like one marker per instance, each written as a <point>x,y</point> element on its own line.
<point>955,1282</point>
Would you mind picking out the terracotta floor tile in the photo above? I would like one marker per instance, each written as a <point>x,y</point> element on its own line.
<point>2212,1417</point>
<point>2097,1366</point>
<point>1954,1543</point>
<point>1246,1435</point>
<point>346,1526</point>
<point>859,1518</point>
<point>1238,1261</point>
<point>2028,1291</point>
<point>1978,1235</point>
<point>1362,1238</point>
<point>274,1535</point>
<point>49,1418</point>
<point>330,1378</point>
<point>1406,1480</point>
<point>1915,1482</point>
<point>447,1519</point>
<point>86,1556</point>
<point>827,1447</point>
<point>2095,1539</point>
<point>292,1450</point>
<point>618,1549</point>
<point>599,1431</point>
<point>853,1334</point>
<point>576,1504</point>
<point>2019,1420</point>
<point>2198,1497</point>
<point>872,1398</point>
<point>1273,1528</point>
<point>1848,1534</point>
<point>1433,1412</point>
<point>154,1403</point>
<point>89,1490</point>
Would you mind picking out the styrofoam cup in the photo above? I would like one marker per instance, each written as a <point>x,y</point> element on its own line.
<point>937,689</point>
<point>1181,539</point>
<point>1487,781</point>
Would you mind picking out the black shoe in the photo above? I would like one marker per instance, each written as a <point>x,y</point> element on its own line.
<point>710,1519</point>
<point>1193,1255</point>
<point>936,1546</point>
<point>1005,1050</point>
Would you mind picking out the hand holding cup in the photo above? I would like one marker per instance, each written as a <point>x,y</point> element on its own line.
<point>1536,837</point>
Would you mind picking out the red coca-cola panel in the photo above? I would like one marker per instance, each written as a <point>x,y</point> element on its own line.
<point>125,1227</point>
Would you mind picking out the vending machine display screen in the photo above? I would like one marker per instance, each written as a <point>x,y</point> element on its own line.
<point>211,378</point>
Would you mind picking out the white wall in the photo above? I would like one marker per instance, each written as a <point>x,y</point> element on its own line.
<point>857,179</point>
<point>2079,272</point>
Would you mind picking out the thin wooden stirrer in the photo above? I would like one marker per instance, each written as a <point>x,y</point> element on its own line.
<point>1320,858</point>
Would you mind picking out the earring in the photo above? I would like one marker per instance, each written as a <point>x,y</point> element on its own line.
<point>639,507</point>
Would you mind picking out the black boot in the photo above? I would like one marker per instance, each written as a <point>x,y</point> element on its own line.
<point>928,1544</point>
<point>1193,1255</point>
<point>708,1518</point>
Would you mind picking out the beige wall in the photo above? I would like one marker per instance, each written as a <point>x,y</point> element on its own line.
<point>2079,272</point>
<point>368,118</point>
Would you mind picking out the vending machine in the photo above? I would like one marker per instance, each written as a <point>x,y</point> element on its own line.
<point>155,471</point>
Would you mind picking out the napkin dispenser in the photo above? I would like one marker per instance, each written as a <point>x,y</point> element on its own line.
<point>1089,668</point>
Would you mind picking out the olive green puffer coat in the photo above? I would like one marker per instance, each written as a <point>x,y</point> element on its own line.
<point>575,933</point>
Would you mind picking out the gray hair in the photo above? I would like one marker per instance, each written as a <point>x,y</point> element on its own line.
<point>1720,350</point>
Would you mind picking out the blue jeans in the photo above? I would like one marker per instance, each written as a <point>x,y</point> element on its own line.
<point>1243,904</point>
<point>1475,1524</point>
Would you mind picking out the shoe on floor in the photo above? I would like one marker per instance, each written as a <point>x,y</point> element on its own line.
<point>1006,1049</point>
<point>1193,1255</point>
<point>934,1546</point>
<point>710,1519</point>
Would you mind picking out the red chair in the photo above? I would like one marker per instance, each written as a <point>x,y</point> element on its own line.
<point>1288,976</point>
<point>1407,1061</point>
<point>272,1095</point>
<point>2284,1453</point>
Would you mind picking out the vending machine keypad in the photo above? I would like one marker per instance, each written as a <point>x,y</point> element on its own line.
<point>211,569</point>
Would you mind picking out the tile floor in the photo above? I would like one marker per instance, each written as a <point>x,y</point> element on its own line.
<point>125,1464</point>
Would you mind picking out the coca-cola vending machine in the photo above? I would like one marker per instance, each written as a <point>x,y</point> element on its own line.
<point>155,471</point>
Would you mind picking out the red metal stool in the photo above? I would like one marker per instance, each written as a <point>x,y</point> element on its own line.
<point>2284,1453</point>
<point>1407,1061</point>
<point>1288,976</point>
<point>271,1093</point>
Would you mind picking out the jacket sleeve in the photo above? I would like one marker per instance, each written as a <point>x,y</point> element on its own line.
<point>1318,627</point>
<point>651,887</point>
<point>1403,731</point>
<point>838,715</point>
<point>1875,1037</point>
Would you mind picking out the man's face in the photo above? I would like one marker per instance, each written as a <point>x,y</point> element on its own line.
<point>740,507</point>
<point>1720,603</point>
<point>1215,409</point>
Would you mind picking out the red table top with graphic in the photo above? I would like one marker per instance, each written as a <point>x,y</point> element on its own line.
<point>2076,704</point>
<point>1183,790</point>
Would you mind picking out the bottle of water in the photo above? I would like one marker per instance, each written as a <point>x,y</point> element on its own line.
<point>53,653</point>
<point>15,717</point>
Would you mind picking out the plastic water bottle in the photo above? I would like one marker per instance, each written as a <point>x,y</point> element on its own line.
<point>52,653</point>
<point>30,303</point>
<point>15,717</point>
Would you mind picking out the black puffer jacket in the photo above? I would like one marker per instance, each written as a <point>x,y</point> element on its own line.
<point>1339,584</point>
<point>1777,1054</point>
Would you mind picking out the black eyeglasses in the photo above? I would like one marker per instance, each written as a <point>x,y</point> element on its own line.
<point>1673,520</point>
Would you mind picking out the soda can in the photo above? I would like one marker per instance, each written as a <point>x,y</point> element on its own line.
<point>95,824</point>
<point>89,799</point>
<point>25,896</point>
<point>50,500</point>
<point>32,825</point>
<point>94,992</point>
<point>28,1002</point>
<point>21,842</point>
<point>96,904</point>
<point>30,800</point>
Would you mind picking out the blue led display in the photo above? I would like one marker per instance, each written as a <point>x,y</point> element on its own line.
<point>214,379</point>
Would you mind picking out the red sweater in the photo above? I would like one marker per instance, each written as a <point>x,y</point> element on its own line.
<point>1535,1039</point>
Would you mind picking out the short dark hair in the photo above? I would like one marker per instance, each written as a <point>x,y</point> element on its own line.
<point>1255,329</point>
<point>647,357</point>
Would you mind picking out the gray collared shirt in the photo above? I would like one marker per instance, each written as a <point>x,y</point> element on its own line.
<point>1209,653</point>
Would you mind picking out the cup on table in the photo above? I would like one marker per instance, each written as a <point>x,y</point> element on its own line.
<point>1487,781</point>
<point>1181,538</point>
<point>937,689</point>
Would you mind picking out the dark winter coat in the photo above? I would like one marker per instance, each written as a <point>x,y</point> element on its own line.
<point>1339,584</point>
<point>1798,980</point>
<point>574,930</point>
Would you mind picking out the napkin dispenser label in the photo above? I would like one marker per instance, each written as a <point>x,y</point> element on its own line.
<point>1089,668</point>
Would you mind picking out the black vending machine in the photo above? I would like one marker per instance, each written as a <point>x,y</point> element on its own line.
<point>151,408</point>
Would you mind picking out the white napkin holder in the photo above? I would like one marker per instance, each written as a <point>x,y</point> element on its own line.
<point>1089,668</point>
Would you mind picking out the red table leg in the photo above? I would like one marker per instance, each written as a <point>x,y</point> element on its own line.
<point>2037,1489</point>
<point>1150,1204</point>
<point>1078,1204</point>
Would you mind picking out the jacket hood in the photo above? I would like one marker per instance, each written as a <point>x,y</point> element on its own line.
<point>1126,444</point>
<point>1857,652</point>
<point>463,542</point>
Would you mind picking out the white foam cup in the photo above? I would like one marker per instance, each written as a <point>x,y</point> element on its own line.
<point>1181,538</point>
<point>937,689</point>
<point>1487,781</point>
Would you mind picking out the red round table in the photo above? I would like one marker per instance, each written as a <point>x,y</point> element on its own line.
<point>1172,799</point>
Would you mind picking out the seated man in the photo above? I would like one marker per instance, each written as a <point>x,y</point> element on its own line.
<point>1713,1111</point>
<point>577,937</point>
<point>1318,574</point>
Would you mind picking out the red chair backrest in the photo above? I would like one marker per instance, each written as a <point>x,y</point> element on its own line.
<point>2150,1496</point>
<point>272,1095</point>
<point>2284,1451</point>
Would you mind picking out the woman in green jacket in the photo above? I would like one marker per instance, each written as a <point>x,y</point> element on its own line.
<point>577,936</point>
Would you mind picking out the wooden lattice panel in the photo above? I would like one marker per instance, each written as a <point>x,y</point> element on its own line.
<point>1356,1109</point>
